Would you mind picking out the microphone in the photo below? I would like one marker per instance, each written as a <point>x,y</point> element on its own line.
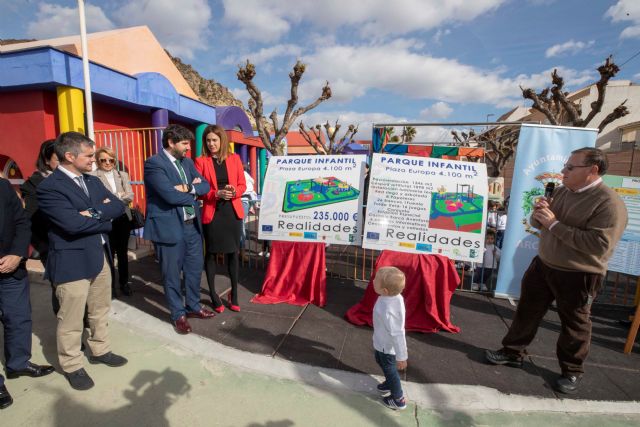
<point>548,190</point>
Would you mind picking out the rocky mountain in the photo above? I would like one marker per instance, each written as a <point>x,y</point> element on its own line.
<point>209,91</point>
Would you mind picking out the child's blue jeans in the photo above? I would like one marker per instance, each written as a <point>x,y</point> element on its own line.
<point>392,379</point>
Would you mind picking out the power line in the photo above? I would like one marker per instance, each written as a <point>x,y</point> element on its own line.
<point>633,56</point>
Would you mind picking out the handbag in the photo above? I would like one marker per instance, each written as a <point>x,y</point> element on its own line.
<point>137,218</point>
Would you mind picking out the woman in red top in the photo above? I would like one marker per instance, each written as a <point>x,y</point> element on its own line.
<point>222,211</point>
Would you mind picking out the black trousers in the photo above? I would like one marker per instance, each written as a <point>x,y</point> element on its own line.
<point>573,292</point>
<point>232,261</point>
<point>119,241</point>
<point>15,314</point>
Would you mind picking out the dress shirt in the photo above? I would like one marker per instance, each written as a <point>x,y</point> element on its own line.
<point>193,190</point>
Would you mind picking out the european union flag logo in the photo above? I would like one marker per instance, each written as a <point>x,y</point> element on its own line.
<point>267,228</point>
<point>424,247</point>
<point>372,235</point>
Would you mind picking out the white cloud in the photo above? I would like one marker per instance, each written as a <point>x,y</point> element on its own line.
<point>182,28</point>
<point>264,55</point>
<point>439,110</point>
<point>268,20</point>
<point>571,47</point>
<point>395,68</point>
<point>636,77</point>
<point>53,20</point>
<point>626,10</point>
<point>437,37</point>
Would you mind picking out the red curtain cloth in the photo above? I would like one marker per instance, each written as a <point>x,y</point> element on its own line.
<point>430,283</point>
<point>296,275</point>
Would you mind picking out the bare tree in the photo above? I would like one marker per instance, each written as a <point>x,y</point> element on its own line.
<point>559,110</point>
<point>501,141</point>
<point>246,74</point>
<point>315,136</point>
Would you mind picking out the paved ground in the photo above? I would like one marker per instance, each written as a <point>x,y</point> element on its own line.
<point>186,380</point>
<point>321,337</point>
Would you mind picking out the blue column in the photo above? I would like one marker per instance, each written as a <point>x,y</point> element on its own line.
<point>243,151</point>
<point>159,119</point>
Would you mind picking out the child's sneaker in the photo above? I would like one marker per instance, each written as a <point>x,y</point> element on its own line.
<point>383,389</point>
<point>394,404</point>
<point>484,288</point>
<point>475,287</point>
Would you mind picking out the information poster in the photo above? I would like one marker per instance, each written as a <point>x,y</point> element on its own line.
<point>313,199</point>
<point>424,205</point>
<point>626,257</point>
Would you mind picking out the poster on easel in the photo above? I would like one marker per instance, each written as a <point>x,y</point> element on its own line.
<point>313,199</point>
<point>626,256</point>
<point>427,206</point>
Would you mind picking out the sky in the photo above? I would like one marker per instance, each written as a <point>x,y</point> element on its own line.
<point>386,61</point>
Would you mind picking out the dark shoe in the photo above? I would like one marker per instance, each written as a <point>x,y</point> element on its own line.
<point>5,398</point>
<point>109,359</point>
<point>568,384</point>
<point>384,389</point>
<point>182,325</point>
<point>32,370</point>
<point>79,379</point>
<point>395,404</point>
<point>202,314</point>
<point>126,289</point>
<point>500,357</point>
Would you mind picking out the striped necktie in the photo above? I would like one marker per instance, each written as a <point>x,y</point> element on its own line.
<point>187,209</point>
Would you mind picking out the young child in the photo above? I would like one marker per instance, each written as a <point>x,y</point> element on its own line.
<point>489,262</point>
<point>389,342</point>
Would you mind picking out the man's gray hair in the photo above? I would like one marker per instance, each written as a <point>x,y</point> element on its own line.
<point>71,142</point>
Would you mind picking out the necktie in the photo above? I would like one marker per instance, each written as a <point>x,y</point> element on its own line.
<point>82,185</point>
<point>187,209</point>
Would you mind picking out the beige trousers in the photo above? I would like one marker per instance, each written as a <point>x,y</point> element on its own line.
<point>95,295</point>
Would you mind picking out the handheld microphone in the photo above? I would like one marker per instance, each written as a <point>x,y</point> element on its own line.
<point>548,190</point>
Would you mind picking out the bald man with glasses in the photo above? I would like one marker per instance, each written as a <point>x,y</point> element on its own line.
<point>579,229</point>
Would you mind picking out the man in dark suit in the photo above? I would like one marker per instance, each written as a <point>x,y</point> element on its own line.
<point>173,223</point>
<point>80,209</point>
<point>15,306</point>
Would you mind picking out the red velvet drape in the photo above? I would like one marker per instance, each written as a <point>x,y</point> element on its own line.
<point>430,283</point>
<point>296,275</point>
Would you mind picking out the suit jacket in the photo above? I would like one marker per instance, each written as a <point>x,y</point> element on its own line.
<point>15,228</point>
<point>75,245</point>
<point>204,165</point>
<point>123,185</point>
<point>39,222</point>
<point>165,214</point>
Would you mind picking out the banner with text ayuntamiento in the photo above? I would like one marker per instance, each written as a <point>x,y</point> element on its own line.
<point>541,154</point>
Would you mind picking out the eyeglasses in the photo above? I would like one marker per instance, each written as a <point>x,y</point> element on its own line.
<point>569,167</point>
<point>113,161</point>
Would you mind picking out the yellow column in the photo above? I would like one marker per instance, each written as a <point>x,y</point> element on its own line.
<point>232,147</point>
<point>70,109</point>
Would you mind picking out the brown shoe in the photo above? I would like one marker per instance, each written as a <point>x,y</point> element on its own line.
<point>182,325</point>
<point>202,314</point>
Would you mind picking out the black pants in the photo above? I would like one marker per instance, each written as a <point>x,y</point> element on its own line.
<point>119,242</point>
<point>574,292</point>
<point>232,261</point>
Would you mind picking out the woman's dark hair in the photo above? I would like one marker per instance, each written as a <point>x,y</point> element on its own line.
<point>46,152</point>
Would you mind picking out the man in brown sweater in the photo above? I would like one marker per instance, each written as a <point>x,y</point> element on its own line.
<point>580,227</point>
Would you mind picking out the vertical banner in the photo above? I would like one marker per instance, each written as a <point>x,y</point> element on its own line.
<point>423,205</point>
<point>541,154</point>
<point>626,257</point>
<point>313,199</point>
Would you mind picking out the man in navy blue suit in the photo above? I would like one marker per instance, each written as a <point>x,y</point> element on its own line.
<point>173,223</point>
<point>15,306</point>
<point>80,209</point>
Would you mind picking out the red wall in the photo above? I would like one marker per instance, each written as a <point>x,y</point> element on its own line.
<point>26,119</point>
<point>108,116</point>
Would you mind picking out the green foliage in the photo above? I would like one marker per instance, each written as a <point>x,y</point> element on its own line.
<point>529,197</point>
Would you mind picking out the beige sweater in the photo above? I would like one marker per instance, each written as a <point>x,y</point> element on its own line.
<point>590,226</point>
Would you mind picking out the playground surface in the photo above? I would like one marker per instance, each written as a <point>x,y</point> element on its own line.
<point>456,212</point>
<point>315,192</point>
